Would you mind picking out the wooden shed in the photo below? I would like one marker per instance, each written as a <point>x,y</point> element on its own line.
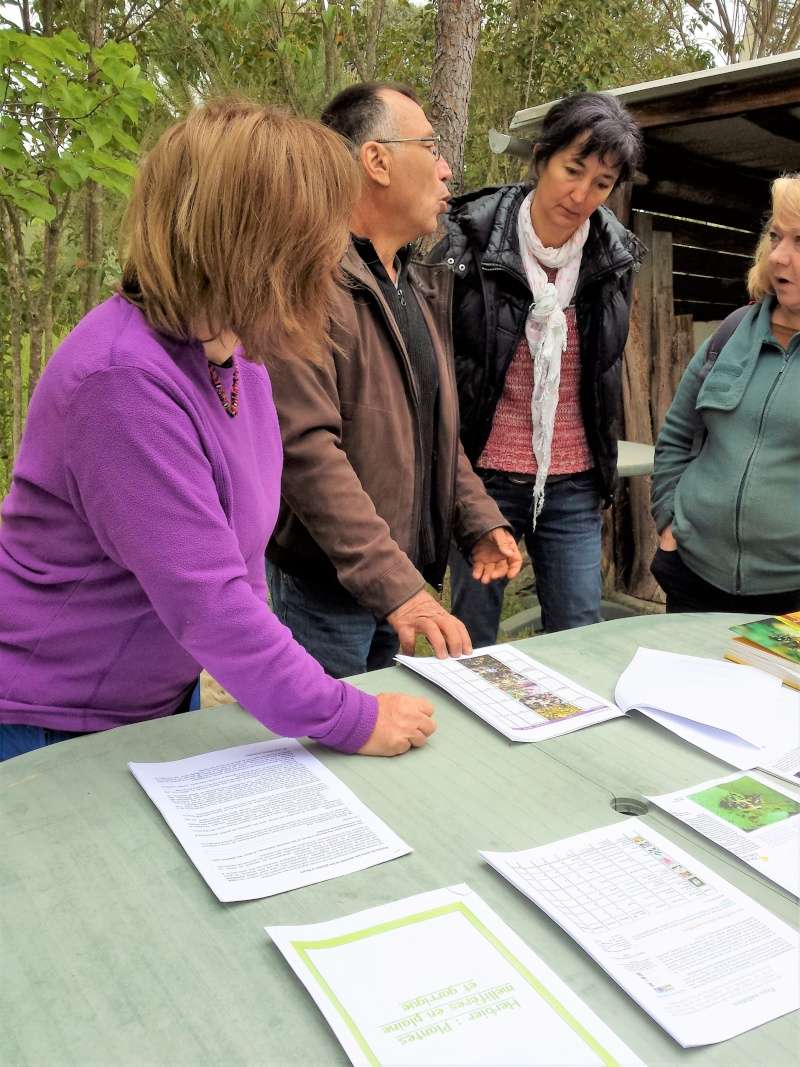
<point>714,141</point>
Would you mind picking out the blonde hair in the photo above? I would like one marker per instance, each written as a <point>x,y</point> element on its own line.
<point>238,219</point>
<point>786,208</point>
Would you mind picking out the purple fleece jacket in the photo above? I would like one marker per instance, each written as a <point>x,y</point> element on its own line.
<point>132,545</point>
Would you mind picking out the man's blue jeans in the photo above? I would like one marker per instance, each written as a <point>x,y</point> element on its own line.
<point>564,549</point>
<point>345,638</point>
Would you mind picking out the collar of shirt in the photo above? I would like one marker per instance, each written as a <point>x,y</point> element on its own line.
<point>366,250</point>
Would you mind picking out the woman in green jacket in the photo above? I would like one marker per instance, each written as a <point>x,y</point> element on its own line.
<point>726,485</point>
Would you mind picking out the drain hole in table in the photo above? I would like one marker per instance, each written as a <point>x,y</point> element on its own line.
<point>630,805</point>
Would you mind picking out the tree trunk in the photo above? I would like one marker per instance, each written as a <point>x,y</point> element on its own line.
<point>371,44</point>
<point>92,245</point>
<point>15,330</point>
<point>458,24</point>
<point>41,328</point>
<point>329,16</point>
<point>93,194</point>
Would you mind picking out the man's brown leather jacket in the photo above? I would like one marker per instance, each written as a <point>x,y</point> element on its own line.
<point>353,477</point>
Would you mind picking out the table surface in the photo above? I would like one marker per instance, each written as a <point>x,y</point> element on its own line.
<point>634,458</point>
<point>115,952</point>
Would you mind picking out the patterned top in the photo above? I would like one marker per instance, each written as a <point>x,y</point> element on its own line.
<point>509,447</point>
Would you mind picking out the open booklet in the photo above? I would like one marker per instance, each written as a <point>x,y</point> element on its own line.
<point>738,714</point>
<point>520,697</point>
<point>748,816</point>
<point>440,979</point>
<point>265,818</point>
<point>705,961</point>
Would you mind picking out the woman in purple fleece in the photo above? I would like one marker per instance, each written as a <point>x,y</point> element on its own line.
<point>148,478</point>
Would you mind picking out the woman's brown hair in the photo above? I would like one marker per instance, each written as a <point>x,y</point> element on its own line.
<point>785,212</point>
<point>238,219</point>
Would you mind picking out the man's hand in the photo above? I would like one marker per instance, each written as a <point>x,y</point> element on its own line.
<point>495,556</point>
<point>421,614</point>
<point>666,541</point>
<point>403,722</point>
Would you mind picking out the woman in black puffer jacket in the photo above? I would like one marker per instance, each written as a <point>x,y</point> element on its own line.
<point>542,292</point>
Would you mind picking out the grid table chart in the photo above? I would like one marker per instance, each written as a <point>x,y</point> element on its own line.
<point>598,886</point>
<point>521,698</point>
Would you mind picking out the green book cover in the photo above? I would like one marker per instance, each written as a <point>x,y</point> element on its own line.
<point>780,638</point>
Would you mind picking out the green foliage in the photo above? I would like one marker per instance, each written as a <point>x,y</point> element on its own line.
<point>67,115</point>
<point>532,53</point>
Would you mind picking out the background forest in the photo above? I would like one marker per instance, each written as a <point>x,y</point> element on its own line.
<point>87,85</point>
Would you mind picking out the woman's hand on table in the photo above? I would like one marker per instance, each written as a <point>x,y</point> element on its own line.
<point>666,542</point>
<point>403,722</point>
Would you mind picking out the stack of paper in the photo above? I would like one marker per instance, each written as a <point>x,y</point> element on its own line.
<point>264,818</point>
<point>439,979</point>
<point>738,714</point>
<point>702,958</point>
<point>748,816</point>
<point>515,694</point>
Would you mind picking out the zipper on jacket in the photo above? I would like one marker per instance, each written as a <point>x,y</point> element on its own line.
<point>740,494</point>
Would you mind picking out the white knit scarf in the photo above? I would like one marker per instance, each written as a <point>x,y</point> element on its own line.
<point>546,331</point>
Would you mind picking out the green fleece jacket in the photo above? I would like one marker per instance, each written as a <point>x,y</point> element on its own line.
<point>727,467</point>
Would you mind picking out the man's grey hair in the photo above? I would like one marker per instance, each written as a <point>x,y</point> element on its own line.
<point>359,112</point>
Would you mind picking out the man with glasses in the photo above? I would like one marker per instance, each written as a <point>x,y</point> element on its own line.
<point>375,483</point>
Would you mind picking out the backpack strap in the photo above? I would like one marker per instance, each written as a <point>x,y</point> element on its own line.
<point>719,339</point>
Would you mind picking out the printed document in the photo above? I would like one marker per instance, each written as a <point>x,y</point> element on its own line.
<point>439,979</point>
<point>786,767</point>
<point>748,816</point>
<point>739,714</point>
<point>520,697</point>
<point>705,961</point>
<point>264,818</point>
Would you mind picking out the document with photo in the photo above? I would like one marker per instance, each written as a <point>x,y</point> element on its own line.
<point>439,979</point>
<point>749,816</point>
<point>264,818</point>
<point>517,695</point>
<point>704,960</point>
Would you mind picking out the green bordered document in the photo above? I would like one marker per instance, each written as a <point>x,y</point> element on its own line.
<point>440,979</point>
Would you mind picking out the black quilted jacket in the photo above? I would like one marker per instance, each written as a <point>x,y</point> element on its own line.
<point>490,304</point>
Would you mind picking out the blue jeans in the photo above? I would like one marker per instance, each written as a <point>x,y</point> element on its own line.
<point>345,638</point>
<point>564,549</point>
<point>15,740</point>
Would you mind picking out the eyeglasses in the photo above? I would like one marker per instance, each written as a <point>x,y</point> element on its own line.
<point>432,141</point>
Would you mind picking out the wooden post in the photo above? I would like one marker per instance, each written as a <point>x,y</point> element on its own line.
<point>663,327</point>
<point>682,347</point>
<point>638,427</point>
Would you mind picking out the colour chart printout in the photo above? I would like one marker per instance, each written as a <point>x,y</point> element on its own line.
<point>702,958</point>
<point>520,697</point>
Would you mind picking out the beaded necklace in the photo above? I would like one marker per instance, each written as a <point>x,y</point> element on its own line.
<point>231,406</point>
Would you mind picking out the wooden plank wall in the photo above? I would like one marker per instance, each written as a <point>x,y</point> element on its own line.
<point>695,271</point>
